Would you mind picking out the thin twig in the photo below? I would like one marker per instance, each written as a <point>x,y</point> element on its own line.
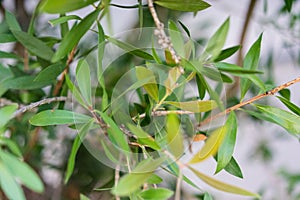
<point>61,81</point>
<point>163,40</point>
<point>268,93</point>
<point>39,103</point>
<point>164,113</point>
<point>117,175</point>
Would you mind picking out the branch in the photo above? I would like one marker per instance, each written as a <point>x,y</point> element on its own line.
<point>164,113</point>
<point>39,103</point>
<point>163,40</point>
<point>268,93</point>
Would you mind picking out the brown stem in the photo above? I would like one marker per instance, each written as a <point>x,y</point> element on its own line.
<point>268,93</point>
<point>62,79</point>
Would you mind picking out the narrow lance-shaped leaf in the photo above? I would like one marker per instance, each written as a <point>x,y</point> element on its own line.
<point>227,147</point>
<point>22,171</point>
<point>294,108</point>
<point>174,135</point>
<point>132,182</point>
<point>74,35</point>
<point>8,184</point>
<point>151,86</point>
<point>216,42</point>
<point>6,113</point>
<point>143,137</point>
<point>156,193</point>
<point>76,144</point>
<point>100,75</point>
<point>58,117</point>
<point>63,19</point>
<point>33,44</point>
<point>234,69</point>
<point>226,53</point>
<point>185,6</point>
<point>59,6</point>
<point>250,62</point>
<point>50,73</point>
<point>74,90</point>
<point>176,38</point>
<point>130,49</point>
<point>211,145</point>
<point>83,78</point>
<point>11,21</point>
<point>233,168</point>
<point>285,119</point>
<point>115,134</point>
<point>194,106</point>
<point>222,186</point>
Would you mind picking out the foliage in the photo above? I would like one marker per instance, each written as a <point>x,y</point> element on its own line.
<point>135,137</point>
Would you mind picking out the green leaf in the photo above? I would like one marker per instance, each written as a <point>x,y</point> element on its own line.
<point>83,78</point>
<point>63,19</point>
<point>288,4</point>
<point>234,69</point>
<point>74,35</point>
<point>294,108</point>
<point>154,179</point>
<point>223,186</point>
<point>34,45</point>
<point>287,120</point>
<point>183,5</point>
<point>156,194</point>
<point>50,73</point>
<point>83,197</point>
<point>211,145</point>
<point>215,75</point>
<point>143,137</point>
<point>63,6</point>
<point>4,54</point>
<point>174,135</point>
<point>194,106</point>
<point>227,147</point>
<point>286,93</point>
<point>11,145</point>
<point>150,87</point>
<point>75,91</point>
<point>132,182</point>
<point>233,168</point>
<point>76,144</point>
<point>58,117</point>
<point>176,38</point>
<point>11,21</point>
<point>25,83</point>
<point>130,49</point>
<point>207,196</point>
<point>216,42</point>
<point>22,172</point>
<point>226,53</point>
<point>8,184</point>
<point>101,80</point>
<point>250,62</point>
<point>114,132</point>
<point>6,113</point>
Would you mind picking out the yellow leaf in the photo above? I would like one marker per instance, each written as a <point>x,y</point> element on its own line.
<point>194,106</point>
<point>211,145</point>
<point>171,82</point>
<point>223,186</point>
<point>174,135</point>
<point>151,86</point>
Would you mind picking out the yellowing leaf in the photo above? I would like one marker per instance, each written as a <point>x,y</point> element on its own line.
<point>174,135</point>
<point>194,106</point>
<point>211,146</point>
<point>171,82</point>
<point>151,86</point>
<point>223,186</point>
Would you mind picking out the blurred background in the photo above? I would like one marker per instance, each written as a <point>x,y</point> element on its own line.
<point>268,156</point>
